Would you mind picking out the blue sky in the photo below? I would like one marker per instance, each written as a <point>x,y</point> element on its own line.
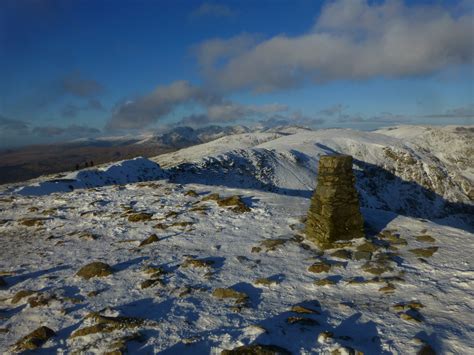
<point>81,68</point>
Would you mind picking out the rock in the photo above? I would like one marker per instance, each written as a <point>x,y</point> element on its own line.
<point>389,288</point>
<point>257,349</point>
<point>319,267</point>
<point>339,244</point>
<point>407,305</point>
<point>93,329</point>
<point>426,350</point>
<point>412,316</point>
<point>342,254</point>
<point>346,350</point>
<point>256,250</point>
<point>424,252</point>
<point>119,346</point>
<point>393,239</point>
<point>272,244</point>
<point>367,247</point>
<point>151,239</point>
<point>172,214</point>
<point>161,226</point>
<point>425,238</point>
<point>362,255</point>
<point>334,213</point>
<point>35,339</point>
<point>93,293</point>
<point>181,224</point>
<point>140,217</point>
<point>324,282</point>
<point>151,283</point>
<point>376,268</point>
<point>235,202</point>
<point>265,282</point>
<point>94,269</point>
<point>32,222</point>
<point>223,293</point>
<point>155,271</point>
<point>211,197</point>
<point>302,321</point>
<point>304,310</point>
<point>191,193</point>
<point>325,337</point>
<point>41,300</point>
<point>197,263</point>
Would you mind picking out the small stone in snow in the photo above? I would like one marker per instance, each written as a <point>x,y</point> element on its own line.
<point>94,269</point>
<point>151,239</point>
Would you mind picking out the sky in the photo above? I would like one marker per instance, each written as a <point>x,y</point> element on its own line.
<point>87,68</point>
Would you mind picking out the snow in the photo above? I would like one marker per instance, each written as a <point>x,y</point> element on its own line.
<point>90,223</point>
<point>126,171</point>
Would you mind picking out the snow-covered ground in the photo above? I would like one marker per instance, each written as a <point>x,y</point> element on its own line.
<point>397,302</point>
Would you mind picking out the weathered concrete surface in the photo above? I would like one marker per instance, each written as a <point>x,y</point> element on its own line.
<point>334,213</point>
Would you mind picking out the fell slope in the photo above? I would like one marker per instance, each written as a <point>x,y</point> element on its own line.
<point>192,272</point>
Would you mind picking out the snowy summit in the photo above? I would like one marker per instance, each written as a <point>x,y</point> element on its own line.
<point>203,250</point>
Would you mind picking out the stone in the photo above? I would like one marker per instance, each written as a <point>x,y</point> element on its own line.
<point>389,288</point>
<point>346,350</point>
<point>319,267</point>
<point>272,244</point>
<point>35,339</point>
<point>140,217</point>
<point>40,299</point>
<point>424,252</point>
<point>223,293</point>
<point>342,254</point>
<point>197,263</point>
<point>151,239</point>
<point>324,282</point>
<point>325,337</point>
<point>362,255</point>
<point>262,281</point>
<point>426,350</point>
<point>257,349</point>
<point>211,197</point>
<point>191,193</point>
<point>32,222</point>
<point>425,238</point>
<point>334,213</point>
<point>235,202</point>
<point>94,269</point>
<point>151,283</point>
<point>367,247</point>
<point>304,310</point>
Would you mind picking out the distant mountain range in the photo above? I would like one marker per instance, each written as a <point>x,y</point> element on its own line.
<point>28,162</point>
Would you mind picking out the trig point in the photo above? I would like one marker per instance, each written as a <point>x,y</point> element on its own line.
<point>334,213</point>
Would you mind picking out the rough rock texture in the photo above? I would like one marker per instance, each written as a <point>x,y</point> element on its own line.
<point>34,340</point>
<point>334,213</point>
<point>256,349</point>
<point>94,269</point>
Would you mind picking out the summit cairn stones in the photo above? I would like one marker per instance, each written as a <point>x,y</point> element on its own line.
<point>334,213</point>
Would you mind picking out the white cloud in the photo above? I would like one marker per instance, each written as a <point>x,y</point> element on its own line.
<point>150,108</point>
<point>351,39</point>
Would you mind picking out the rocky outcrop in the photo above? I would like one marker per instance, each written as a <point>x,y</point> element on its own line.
<point>334,213</point>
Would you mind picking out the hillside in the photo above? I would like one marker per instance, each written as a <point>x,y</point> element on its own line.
<point>192,272</point>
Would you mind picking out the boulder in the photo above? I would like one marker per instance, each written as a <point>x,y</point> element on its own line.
<point>34,340</point>
<point>94,269</point>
